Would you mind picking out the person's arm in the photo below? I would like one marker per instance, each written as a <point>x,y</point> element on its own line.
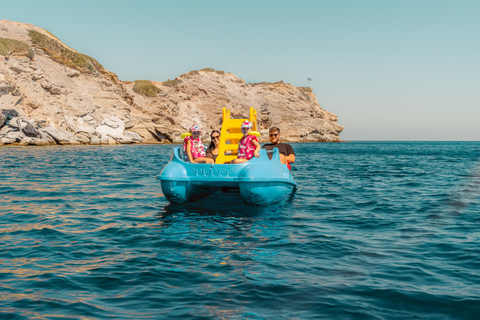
<point>257,149</point>
<point>189,151</point>
<point>291,156</point>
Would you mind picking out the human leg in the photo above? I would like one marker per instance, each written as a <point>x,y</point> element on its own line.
<point>237,161</point>
<point>203,160</point>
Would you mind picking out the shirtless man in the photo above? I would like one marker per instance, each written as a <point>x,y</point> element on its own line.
<point>286,151</point>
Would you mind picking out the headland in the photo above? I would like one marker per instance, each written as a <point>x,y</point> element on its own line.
<point>51,94</point>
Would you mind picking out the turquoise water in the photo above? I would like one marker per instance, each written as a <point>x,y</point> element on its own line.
<point>376,230</point>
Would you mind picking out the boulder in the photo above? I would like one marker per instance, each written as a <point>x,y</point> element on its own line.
<point>83,139</point>
<point>41,123</point>
<point>7,140</point>
<point>86,129</point>
<point>94,140</point>
<point>37,75</point>
<point>87,118</point>
<point>129,124</point>
<point>18,67</point>
<point>2,120</point>
<point>20,122</point>
<point>13,122</point>
<point>114,123</point>
<point>9,113</point>
<point>46,139</point>
<point>60,136</point>
<point>105,139</point>
<point>111,127</point>
<point>30,130</point>
<point>71,73</point>
<point>122,139</point>
<point>29,141</point>
<point>4,130</point>
<point>51,87</point>
<point>134,136</point>
<point>106,131</point>
<point>6,89</point>
<point>25,141</point>
<point>15,135</point>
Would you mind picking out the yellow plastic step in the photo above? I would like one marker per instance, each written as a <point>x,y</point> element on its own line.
<point>231,134</point>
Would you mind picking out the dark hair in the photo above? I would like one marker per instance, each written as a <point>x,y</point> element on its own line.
<point>273,129</point>
<point>212,144</point>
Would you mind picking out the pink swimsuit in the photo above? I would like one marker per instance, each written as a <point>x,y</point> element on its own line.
<point>197,148</point>
<point>246,148</point>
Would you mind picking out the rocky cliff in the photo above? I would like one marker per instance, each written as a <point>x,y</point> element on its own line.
<point>52,94</point>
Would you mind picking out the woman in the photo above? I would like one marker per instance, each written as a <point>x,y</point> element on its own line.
<point>193,147</point>
<point>212,151</point>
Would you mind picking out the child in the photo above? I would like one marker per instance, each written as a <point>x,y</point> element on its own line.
<point>193,149</point>
<point>248,145</point>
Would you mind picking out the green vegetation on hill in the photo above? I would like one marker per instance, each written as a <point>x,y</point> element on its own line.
<point>146,88</point>
<point>63,55</point>
<point>212,70</point>
<point>9,46</point>
<point>171,83</point>
<point>193,72</point>
<point>263,83</point>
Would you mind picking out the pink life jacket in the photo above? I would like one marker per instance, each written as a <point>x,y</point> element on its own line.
<point>197,148</point>
<point>246,148</point>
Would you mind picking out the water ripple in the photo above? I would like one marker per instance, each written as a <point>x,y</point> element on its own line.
<point>377,230</point>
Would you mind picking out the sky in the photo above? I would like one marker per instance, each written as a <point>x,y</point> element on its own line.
<point>390,70</point>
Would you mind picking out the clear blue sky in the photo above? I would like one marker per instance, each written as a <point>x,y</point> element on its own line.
<point>390,70</point>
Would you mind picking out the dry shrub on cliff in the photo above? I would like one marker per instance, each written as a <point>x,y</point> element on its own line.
<point>305,89</point>
<point>9,46</point>
<point>265,83</point>
<point>146,88</point>
<point>63,55</point>
<point>206,70</point>
<point>171,83</point>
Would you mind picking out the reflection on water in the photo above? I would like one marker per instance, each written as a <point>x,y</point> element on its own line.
<point>226,251</point>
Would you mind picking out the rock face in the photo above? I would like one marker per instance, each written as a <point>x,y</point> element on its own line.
<point>48,97</point>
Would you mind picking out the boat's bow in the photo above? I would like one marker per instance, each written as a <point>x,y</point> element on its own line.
<point>260,181</point>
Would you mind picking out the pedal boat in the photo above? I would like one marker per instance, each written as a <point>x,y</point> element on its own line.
<point>259,181</point>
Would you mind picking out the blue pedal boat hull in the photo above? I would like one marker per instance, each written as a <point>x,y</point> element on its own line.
<point>260,181</point>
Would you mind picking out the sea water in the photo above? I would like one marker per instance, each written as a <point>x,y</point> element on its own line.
<point>376,230</point>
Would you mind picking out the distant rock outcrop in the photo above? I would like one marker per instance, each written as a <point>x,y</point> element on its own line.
<point>51,94</point>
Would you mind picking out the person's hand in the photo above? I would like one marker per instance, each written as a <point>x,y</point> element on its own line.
<point>256,154</point>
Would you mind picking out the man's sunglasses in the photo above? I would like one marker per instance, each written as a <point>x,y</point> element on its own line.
<point>274,134</point>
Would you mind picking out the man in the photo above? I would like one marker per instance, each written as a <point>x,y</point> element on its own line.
<point>287,155</point>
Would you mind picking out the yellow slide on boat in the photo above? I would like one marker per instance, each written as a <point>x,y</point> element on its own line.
<point>231,134</point>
